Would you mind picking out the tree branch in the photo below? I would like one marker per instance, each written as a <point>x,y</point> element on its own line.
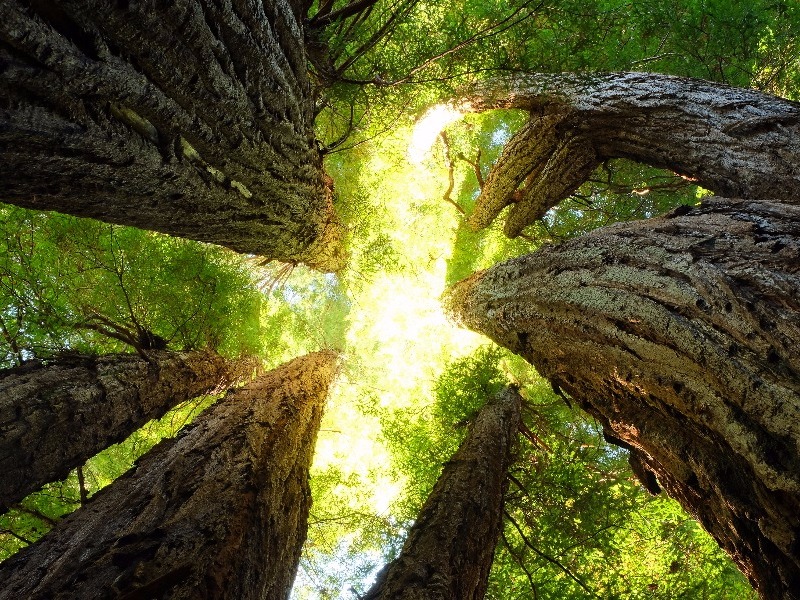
<point>450,174</point>
<point>325,16</point>
<point>548,558</point>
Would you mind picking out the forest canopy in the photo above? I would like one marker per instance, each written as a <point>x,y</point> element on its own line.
<point>403,173</point>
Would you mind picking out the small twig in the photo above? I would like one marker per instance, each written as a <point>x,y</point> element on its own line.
<point>521,563</point>
<point>493,29</point>
<point>35,513</point>
<point>518,483</point>
<point>325,16</point>
<point>14,534</point>
<point>533,438</point>
<point>12,342</point>
<point>476,166</point>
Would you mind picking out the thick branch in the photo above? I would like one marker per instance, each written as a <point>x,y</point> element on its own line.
<point>735,142</point>
<point>680,336</point>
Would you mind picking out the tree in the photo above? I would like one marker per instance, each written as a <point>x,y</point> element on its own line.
<point>735,142</point>
<point>190,119</point>
<point>218,512</point>
<point>402,228</point>
<point>678,333</point>
<point>59,414</point>
<point>449,549</point>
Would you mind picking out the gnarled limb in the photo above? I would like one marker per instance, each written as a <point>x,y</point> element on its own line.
<point>735,142</point>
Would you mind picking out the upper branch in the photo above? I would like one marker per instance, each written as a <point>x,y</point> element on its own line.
<point>735,142</point>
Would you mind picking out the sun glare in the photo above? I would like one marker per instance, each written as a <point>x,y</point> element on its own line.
<point>428,128</point>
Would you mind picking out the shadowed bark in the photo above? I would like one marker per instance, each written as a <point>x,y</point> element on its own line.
<point>735,142</point>
<point>679,335</point>
<point>190,118</point>
<point>218,512</point>
<point>54,417</point>
<point>449,550</point>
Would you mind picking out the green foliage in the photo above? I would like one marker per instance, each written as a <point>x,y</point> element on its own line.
<point>619,191</point>
<point>740,43</point>
<point>77,285</point>
<point>421,441</point>
<point>81,285</point>
<point>579,526</point>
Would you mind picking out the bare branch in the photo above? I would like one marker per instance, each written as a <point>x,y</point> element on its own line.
<point>84,496</point>
<point>450,169</point>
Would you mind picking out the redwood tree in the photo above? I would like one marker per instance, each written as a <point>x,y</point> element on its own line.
<point>449,549</point>
<point>735,142</point>
<point>54,417</point>
<point>190,118</point>
<point>218,512</point>
<point>679,334</point>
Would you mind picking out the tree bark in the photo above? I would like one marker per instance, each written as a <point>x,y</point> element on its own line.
<point>190,118</point>
<point>449,550</point>
<point>679,335</point>
<point>218,512</point>
<point>55,417</point>
<point>735,142</point>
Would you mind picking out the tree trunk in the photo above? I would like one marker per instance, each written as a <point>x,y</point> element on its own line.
<point>55,417</point>
<point>190,118</point>
<point>218,512</point>
<point>679,335</point>
<point>449,550</point>
<point>735,142</point>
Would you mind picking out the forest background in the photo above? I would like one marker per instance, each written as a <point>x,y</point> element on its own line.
<point>578,524</point>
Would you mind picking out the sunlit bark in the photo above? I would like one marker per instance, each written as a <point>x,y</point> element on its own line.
<point>679,335</point>
<point>735,142</point>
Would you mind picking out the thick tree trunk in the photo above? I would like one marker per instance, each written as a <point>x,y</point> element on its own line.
<point>218,512</point>
<point>190,118</point>
<point>735,142</point>
<point>54,417</point>
<point>679,335</point>
<point>449,550</point>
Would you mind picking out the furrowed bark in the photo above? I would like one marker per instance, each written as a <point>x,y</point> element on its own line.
<point>449,549</point>
<point>735,142</point>
<point>679,335</point>
<point>190,118</point>
<point>54,417</point>
<point>218,512</point>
